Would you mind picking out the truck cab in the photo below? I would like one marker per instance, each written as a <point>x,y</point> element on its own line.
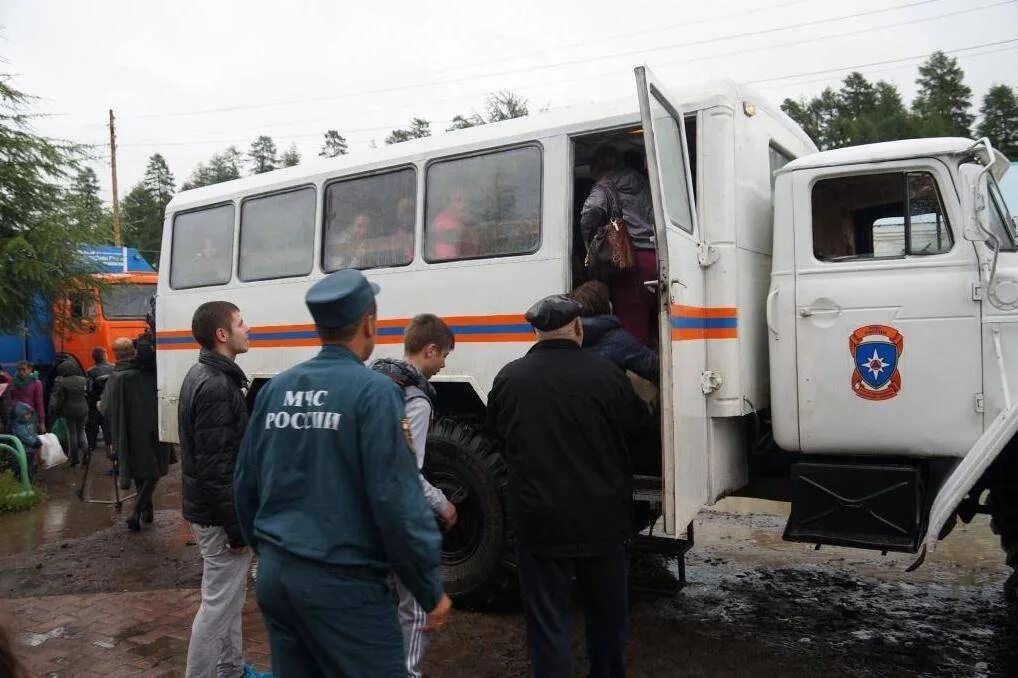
<point>892,319</point>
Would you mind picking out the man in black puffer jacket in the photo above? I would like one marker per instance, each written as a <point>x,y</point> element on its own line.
<point>212,417</point>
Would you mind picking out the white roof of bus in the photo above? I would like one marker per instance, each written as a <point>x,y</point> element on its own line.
<point>621,111</point>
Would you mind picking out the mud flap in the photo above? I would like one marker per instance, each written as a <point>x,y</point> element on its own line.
<point>965,476</point>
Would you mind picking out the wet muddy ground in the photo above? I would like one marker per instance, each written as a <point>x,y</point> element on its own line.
<point>754,605</point>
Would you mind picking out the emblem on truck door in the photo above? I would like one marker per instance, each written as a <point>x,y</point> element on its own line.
<point>876,350</point>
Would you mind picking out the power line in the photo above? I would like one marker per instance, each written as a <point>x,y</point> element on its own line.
<point>586,60</point>
<point>882,63</point>
<point>645,31</point>
<point>835,36</point>
<point>959,50</point>
<point>602,74</point>
<point>887,70</point>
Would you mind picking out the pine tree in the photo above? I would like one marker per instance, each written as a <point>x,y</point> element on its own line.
<point>85,209</point>
<point>335,144</point>
<point>419,128</point>
<point>465,122</point>
<point>501,105</point>
<point>263,155</point>
<point>943,101</point>
<point>144,207</point>
<point>158,178</point>
<point>141,218</point>
<point>39,246</point>
<point>1000,120</point>
<point>290,157</point>
<point>504,105</point>
<point>223,166</point>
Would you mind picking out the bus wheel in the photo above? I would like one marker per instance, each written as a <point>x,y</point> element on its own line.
<point>477,561</point>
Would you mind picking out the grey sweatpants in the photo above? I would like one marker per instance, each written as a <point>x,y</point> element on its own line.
<point>216,639</point>
<point>412,618</point>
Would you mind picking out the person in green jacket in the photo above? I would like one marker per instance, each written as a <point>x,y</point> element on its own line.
<point>328,494</point>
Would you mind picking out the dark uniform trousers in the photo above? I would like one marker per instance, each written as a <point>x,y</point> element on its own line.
<point>547,587</point>
<point>326,620</point>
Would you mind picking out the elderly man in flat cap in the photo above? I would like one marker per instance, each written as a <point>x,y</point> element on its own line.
<point>565,416</point>
<point>329,495</point>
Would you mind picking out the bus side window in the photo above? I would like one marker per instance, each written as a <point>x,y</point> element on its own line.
<point>370,221</point>
<point>484,205</point>
<point>277,235</point>
<point>202,247</point>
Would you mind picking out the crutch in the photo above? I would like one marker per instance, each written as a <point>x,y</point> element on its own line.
<point>118,502</point>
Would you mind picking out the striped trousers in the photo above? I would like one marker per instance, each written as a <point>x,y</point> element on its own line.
<point>412,618</point>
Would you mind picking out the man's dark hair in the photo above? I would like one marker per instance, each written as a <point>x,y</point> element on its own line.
<point>425,329</point>
<point>605,157</point>
<point>592,296</point>
<point>343,335</point>
<point>212,316</point>
<point>99,354</point>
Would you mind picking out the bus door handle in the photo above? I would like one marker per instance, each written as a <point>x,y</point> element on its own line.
<point>771,296</point>
<point>650,285</point>
<point>807,311</point>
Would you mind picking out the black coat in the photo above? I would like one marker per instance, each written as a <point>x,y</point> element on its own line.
<point>68,397</point>
<point>604,336</point>
<point>566,417</point>
<point>212,415</point>
<point>633,193</point>
<point>130,404</point>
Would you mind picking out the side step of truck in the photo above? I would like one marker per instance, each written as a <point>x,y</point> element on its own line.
<point>648,575</point>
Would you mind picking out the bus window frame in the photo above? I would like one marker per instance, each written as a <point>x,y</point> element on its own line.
<point>233,242</point>
<point>535,143</point>
<point>239,228</point>
<point>388,169</point>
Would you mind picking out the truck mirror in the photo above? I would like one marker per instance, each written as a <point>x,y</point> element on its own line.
<point>975,230</point>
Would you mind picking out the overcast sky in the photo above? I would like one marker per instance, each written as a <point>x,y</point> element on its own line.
<point>187,79</point>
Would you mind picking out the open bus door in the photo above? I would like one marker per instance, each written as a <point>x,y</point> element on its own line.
<point>683,320</point>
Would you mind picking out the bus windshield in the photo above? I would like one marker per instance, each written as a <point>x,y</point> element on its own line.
<point>127,301</point>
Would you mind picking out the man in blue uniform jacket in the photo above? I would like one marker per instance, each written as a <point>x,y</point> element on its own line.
<point>328,494</point>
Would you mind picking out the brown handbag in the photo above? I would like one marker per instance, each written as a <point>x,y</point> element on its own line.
<point>610,250</point>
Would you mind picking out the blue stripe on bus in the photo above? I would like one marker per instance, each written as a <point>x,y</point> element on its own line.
<point>491,329</point>
<point>689,323</point>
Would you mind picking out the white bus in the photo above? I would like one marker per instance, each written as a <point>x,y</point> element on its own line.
<point>710,153</point>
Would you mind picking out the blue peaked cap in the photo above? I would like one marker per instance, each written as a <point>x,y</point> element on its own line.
<point>340,298</point>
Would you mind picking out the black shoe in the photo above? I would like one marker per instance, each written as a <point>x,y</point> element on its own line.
<point>146,515</point>
<point>74,462</point>
<point>133,525</point>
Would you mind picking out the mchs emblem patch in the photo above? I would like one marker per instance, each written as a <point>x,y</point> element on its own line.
<point>876,351</point>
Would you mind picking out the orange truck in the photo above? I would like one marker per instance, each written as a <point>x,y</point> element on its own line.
<point>100,315</point>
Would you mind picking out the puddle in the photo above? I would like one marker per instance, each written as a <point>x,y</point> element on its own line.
<point>63,516</point>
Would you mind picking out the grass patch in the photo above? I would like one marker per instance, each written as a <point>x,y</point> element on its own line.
<point>10,489</point>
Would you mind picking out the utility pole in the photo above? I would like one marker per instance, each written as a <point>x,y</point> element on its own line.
<point>113,166</point>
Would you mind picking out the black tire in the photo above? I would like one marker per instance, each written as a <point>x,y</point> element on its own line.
<point>478,565</point>
<point>1003,502</point>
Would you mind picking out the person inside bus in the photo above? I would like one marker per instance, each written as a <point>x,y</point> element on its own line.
<point>446,235</point>
<point>603,333</point>
<point>403,236</point>
<point>352,245</point>
<point>633,303</point>
<point>209,266</point>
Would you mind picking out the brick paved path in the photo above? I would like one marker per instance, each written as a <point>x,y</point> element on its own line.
<point>116,634</point>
